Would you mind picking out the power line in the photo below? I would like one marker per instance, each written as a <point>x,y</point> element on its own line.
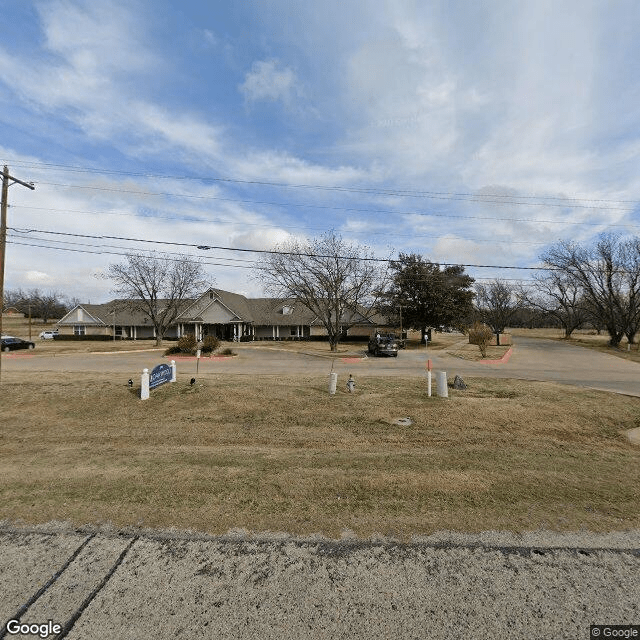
<point>116,253</point>
<point>427,214</point>
<point>365,190</point>
<point>261,251</point>
<point>451,197</point>
<point>163,256</point>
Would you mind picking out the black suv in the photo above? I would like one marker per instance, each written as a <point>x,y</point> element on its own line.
<point>383,345</point>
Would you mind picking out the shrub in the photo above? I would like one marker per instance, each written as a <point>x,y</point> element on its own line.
<point>481,335</point>
<point>188,343</point>
<point>171,350</point>
<point>227,352</point>
<point>209,344</point>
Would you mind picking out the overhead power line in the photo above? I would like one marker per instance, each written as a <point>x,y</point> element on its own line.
<point>428,214</point>
<point>162,256</point>
<point>339,188</point>
<point>453,197</point>
<point>259,251</point>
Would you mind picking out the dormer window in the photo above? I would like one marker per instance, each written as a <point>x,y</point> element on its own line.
<point>286,311</point>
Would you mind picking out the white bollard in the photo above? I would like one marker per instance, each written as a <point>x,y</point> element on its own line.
<point>333,383</point>
<point>144,385</point>
<point>441,384</point>
<point>429,383</point>
<point>173,371</point>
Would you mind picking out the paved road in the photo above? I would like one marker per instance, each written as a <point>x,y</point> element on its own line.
<point>532,359</point>
<point>168,586</point>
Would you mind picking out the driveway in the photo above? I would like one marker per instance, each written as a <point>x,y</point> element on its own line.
<point>532,359</point>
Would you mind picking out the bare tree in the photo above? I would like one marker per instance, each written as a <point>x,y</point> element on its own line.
<point>158,285</point>
<point>560,297</point>
<point>338,281</point>
<point>51,304</point>
<point>609,276</point>
<point>496,304</point>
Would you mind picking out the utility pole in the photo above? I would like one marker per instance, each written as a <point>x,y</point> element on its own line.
<point>3,232</point>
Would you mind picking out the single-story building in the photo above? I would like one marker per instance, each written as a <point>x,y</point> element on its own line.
<point>228,316</point>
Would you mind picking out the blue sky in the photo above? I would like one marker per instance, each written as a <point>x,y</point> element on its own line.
<point>474,133</point>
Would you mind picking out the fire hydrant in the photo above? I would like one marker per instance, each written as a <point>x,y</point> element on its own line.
<point>351,384</point>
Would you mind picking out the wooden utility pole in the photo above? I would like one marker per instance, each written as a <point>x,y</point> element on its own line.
<point>3,233</point>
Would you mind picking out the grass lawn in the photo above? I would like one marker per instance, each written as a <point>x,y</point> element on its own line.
<point>280,454</point>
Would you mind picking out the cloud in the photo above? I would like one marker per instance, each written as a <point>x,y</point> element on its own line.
<point>269,81</point>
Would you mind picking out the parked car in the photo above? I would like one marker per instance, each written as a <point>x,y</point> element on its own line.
<point>383,345</point>
<point>48,335</point>
<point>9,343</point>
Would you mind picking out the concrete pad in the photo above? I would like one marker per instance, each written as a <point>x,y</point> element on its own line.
<point>78,570</point>
<point>180,588</point>
<point>27,562</point>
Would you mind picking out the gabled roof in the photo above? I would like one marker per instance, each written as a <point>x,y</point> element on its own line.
<point>236,303</point>
<point>127,312</point>
<point>269,311</point>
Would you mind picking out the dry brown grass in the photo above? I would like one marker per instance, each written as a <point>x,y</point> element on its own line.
<point>468,351</point>
<point>281,454</point>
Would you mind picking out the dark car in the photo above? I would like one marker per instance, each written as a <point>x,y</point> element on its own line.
<point>383,345</point>
<point>9,343</point>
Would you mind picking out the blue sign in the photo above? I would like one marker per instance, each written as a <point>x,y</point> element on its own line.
<point>160,374</point>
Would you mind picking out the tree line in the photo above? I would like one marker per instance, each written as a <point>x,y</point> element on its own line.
<point>49,305</point>
<point>343,283</point>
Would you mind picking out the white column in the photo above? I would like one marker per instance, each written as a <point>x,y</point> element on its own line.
<point>173,371</point>
<point>144,385</point>
<point>441,384</point>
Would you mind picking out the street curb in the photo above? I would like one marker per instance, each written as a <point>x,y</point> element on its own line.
<point>504,359</point>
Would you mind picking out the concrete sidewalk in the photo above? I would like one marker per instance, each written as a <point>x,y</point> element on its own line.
<point>107,584</point>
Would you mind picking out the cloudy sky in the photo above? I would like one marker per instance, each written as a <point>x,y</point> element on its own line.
<point>471,133</point>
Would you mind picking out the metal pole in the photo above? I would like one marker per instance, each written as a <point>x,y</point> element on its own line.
<point>3,243</point>
<point>3,234</point>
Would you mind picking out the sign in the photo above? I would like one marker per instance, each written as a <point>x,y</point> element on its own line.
<point>160,374</point>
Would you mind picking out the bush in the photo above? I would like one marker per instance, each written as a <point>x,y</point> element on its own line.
<point>227,352</point>
<point>171,350</point>
<point>187,344</point>
<point>481,335</point>
<point>209,344</point>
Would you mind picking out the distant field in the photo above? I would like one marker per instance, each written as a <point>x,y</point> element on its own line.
<point>281,454</point>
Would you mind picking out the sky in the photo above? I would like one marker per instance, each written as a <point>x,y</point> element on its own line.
<point>469,133</point>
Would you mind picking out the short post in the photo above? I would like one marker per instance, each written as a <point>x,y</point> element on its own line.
<point>197,360</point>
<point>351,384</point>
<point>333,383</point>
<point>173,371</point>
<point>144,385</point>
<point>429,378</point>
<point>441,382</point>
<point>426,340</point>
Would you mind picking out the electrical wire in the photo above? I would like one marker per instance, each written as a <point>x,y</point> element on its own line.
<point>366,190</point>
<point>265,251</point>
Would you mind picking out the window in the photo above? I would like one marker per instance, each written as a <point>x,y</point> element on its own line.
<point>287,311</point>
<point>78,330</point>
